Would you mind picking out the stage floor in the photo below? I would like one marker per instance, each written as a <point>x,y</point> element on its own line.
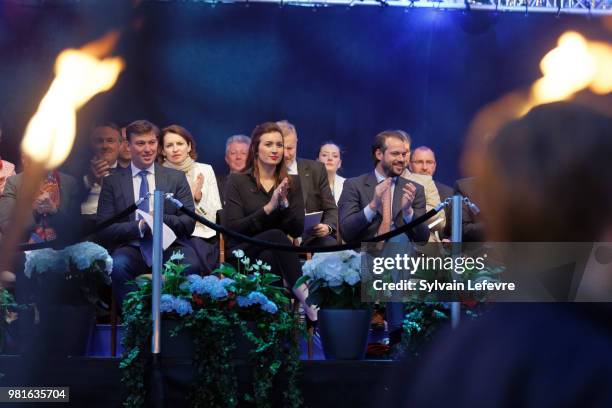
<point>95,382</point>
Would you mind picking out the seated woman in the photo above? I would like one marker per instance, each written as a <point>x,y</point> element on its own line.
<point>265,203</point>
<point>178,151</point>
<point>329,155</point>
<point>7,169</point>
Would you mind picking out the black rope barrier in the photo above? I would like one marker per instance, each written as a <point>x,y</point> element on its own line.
<point>292,248</point>
<point>58,243</point>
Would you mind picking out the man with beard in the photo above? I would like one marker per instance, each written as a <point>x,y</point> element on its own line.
<point>380,201</point>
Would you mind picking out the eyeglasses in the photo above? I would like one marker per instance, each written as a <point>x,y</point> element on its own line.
<point>422,162</point>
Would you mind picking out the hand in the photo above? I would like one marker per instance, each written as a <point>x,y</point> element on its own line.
<point>408,193</point>
<point>196,187</point>
<point>279,195</point>
<point>44,205</point>
<point>379,191</point>
<point>98,170</point>
<point>320,230</point>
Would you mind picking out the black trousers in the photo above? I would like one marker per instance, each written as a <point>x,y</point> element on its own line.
<point>283,263</point>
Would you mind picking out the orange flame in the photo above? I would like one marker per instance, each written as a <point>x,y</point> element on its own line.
<point>79,75</point>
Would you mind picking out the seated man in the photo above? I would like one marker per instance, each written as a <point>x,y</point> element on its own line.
<point>236,152</point>
<point>130,239</point>
<point>380,201</point>
<point>423,161</point>
<point>105,141</point>
<point>315,190</point>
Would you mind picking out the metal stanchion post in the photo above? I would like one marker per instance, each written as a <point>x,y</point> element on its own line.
<point>456,238</point>
<point>158,214</point>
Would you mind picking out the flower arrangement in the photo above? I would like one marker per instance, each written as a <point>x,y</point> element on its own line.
<point>8,314</point>
<point>334,280</point>
<point>86,263</point>
<point>214,310</point>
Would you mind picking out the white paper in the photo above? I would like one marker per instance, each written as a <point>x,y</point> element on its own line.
<point>312,219</point>
<point>168,237</point>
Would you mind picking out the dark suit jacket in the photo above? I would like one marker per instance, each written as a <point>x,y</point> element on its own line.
<point>316,191</point>
<point>221,181</point>
<point>358,192</point>
<point>445,192</point>
<point>472,228</point>
<point>118,193</point>
<point>65,222</point>
<point>244,211</point>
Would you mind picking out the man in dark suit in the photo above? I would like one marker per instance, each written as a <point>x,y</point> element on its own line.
<point>377,202</point>
<point>130,238</point>
<point>423,161</point>
<point>315,190</point>
<point>236,152</point>
<point>471,224</point>
<point>105,141</point>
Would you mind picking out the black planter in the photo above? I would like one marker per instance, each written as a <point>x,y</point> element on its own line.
<point>179,346</point>
<point>65,329</point>
<point>344,333</point>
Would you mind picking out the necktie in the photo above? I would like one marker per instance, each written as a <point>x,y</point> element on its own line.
<point>146,243</point>
<point>385,225</point>
<point>144,191</point>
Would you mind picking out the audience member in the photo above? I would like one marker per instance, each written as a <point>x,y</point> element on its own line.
<point>178,151</point>
<point>266,203</point>
<point>380,201</point>
<point>105,140</point>
<point>330,156</point>
<point>236,152</point>
<point>316,192</point>
<point>130,238</point>
<point>7,169</point>
<point>423,161</point>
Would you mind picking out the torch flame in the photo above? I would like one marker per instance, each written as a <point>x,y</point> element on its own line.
<point>80,74</point>
<point>575,64</point>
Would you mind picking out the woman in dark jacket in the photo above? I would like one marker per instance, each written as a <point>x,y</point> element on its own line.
<point>265,203</point>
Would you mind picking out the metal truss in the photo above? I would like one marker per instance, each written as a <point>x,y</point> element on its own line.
<point>588,7</point>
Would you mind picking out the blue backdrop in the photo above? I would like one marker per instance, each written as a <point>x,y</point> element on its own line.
<point>337,73</point>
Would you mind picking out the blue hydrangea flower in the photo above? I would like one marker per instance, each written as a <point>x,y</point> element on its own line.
<point>166,303</point>
<point>269,307</point>
<point>182,307</point>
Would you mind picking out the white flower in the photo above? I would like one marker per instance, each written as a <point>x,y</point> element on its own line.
<point>177,256</point>
<point>246,261</point>
<point>43,260</point>
<point>238,253</point>
<point>84,254</point>
<point>331,270</point>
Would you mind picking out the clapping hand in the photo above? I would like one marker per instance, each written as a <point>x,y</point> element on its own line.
<point>279,197</point>
<point>379,191</point>
<point>196,187</point>
<point>44,205</point>
<point>99,169</point>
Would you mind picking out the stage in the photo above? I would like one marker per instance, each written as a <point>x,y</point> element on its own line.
<point>95,382</point>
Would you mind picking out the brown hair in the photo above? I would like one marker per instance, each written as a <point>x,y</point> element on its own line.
<point>381,139</point>
<point>182,132</point>
<point>251,165</point>
<point>141,127</point>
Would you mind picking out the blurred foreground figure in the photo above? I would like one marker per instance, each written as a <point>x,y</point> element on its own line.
<point>544,178</point>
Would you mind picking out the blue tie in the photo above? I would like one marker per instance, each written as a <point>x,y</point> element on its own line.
<point>144,191</point>
<point>146,243</point>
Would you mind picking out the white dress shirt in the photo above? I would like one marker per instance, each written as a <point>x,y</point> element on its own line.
<point>292,168</point>
<point>90,205</point>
